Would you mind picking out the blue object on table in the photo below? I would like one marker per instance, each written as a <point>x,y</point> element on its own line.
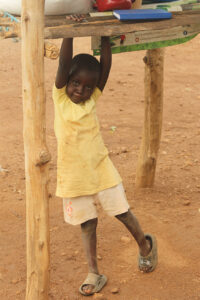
<point>156,1</point>
<point>141,14</point>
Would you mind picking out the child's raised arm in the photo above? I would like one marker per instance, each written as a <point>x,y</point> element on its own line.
<point>66,53</point>
<point>105,62</point>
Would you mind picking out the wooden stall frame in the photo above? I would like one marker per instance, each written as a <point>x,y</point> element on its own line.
<point>153,86</point>
<point>36,153</point>
<point>37,156</point>
<point>153,112</point>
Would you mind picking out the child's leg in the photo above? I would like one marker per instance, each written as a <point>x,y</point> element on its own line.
<point>82,211</point>
<point>131,223</point>
<point>114,202</point>
<point>89,241</point>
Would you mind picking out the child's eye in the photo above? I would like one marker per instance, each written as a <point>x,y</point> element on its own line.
<point>75,82</point>
<point>88,88</point>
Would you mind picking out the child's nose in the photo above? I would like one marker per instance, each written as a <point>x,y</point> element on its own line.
<point>80,89</point>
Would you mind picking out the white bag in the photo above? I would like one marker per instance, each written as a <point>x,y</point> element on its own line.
<point>52,7</point>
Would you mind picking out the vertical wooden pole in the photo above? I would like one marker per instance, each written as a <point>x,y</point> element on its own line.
<point>154,76</point>
<point>36,153</point>
<point>146,166</point>
<point>153,82</point>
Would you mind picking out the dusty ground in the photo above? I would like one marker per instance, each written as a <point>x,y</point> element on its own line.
<point>171,210</point>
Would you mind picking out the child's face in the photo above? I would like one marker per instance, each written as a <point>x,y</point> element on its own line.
<point>81,85</point>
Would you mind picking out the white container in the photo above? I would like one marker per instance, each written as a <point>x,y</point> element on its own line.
<point>52,7</point>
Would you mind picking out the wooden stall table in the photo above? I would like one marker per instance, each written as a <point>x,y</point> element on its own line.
<point>33,28</point>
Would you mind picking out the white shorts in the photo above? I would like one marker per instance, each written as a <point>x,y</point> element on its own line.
<point>78,210</point>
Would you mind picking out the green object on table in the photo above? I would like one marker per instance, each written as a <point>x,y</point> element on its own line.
<point>181,5</point>
<point>147,46</point>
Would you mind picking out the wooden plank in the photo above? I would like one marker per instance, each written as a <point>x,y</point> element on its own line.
<point>112,26</point>
<point>165,35</point>
<point>141,37</point>
<point>58,27</point>
<point>35,149</point>
<point>52,21</point>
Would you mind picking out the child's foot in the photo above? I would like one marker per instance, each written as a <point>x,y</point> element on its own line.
<point>88,289</point>
<point>147,263</point>
<point>146,249</point>
<point>93,284</point>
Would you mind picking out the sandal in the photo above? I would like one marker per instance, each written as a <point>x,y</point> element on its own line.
<point>98,281</point>
<point>148,263</point>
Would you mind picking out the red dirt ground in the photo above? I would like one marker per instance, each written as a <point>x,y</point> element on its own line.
<point>170,210</point>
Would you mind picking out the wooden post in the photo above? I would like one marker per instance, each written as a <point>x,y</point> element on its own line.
<point>154,69</point>
<point>36,153</point>
<point>146,165</point>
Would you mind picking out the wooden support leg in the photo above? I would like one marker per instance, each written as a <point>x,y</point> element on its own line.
<point>36,153</point>
<point>154,69</point>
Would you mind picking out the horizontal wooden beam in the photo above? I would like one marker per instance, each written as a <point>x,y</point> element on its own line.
<point>187,22</point>
<point>111,26</point>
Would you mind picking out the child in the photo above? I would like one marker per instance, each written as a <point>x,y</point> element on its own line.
<point>84,169</point>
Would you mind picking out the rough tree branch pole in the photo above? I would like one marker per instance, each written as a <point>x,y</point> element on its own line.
<point>36,153</point>
<point>153,83</point>
<point>153,86</point>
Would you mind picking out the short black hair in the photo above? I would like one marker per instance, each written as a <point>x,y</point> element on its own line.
<point>84,62</point>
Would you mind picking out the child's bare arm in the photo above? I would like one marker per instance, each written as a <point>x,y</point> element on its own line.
<point>105,62</point>
<point>66,53</point>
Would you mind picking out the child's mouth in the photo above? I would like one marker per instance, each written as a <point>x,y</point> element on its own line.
<point>77,98</point>
<point>77,95</point>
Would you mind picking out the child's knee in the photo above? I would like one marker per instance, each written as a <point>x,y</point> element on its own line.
<point>89,226</point>
<point>125,217</point>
